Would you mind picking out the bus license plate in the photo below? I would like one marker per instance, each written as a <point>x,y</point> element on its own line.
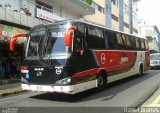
<point>39,88</point>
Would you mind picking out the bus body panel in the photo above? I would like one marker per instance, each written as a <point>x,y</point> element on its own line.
<point>79,71</point>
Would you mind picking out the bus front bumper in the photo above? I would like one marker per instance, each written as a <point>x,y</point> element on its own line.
<point>49,88</point>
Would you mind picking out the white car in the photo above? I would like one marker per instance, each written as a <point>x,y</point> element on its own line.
<point>155,60</point>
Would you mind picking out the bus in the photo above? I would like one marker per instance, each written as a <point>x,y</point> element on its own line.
<point>73,56</point>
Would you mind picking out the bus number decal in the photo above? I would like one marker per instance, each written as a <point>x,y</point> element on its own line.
<point>103,58</point>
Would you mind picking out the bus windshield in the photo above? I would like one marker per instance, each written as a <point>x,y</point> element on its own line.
<point>36,37</point>
<point>51,38</point>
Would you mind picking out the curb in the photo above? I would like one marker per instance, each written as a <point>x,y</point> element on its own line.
<point>153,101</point>
<point>11,91</point>
<point>4,82</point>
<point>145,97</point>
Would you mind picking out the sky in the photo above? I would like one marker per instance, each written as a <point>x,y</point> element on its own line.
<point>149,10</point>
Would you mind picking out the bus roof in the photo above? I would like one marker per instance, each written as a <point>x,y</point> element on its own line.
<point>89,23</point>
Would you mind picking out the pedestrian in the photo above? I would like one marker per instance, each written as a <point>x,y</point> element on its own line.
<point>13,67</point>
<point>1,68</point>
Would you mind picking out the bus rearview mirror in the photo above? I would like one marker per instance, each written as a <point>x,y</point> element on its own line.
<point>13,40</point>
<point>68,35</point>
<point>68,38</point>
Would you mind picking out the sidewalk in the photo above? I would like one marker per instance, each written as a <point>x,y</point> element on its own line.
<point>9,81</point>
<point>154,100</point>
<point>11,86</point>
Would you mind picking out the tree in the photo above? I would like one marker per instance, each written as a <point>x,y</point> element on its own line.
<point>89,2</point>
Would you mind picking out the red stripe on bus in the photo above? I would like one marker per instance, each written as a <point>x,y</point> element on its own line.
<point>86,73</point>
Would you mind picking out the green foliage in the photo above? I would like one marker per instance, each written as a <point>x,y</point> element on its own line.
<point>89,2</point>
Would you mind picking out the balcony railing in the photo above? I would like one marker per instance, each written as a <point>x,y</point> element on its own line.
<point>19,18</point>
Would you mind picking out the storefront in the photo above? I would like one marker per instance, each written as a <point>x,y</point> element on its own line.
<point>10,61</point>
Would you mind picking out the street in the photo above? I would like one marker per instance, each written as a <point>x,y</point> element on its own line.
<point>128,92</point>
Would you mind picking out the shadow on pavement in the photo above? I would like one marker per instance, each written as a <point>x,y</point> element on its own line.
<point>107,94</point>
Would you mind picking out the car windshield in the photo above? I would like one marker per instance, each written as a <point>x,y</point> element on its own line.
<point>155,57</point>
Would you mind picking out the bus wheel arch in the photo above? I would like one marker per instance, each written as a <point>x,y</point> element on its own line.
<point>101,79</point>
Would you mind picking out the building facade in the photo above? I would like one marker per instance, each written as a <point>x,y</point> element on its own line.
<point>18,16</point>
<point>33,12</point>
<point>120,15</point>
<point>116,14</point>
<point>151,32</point>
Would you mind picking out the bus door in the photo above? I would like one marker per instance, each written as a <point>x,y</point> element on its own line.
<point>83,56</point>
<point>79,49</point>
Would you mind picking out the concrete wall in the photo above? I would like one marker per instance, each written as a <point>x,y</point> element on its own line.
<point>98,17</point>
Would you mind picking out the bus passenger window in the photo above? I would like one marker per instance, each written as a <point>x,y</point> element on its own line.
<point>95,38</point>
<point>132,43</point>
<point>146,45</point>
<point>112,42</point>
<point>137,43</point>
<point>128,42</point>
<point>78,46</point>
<point>142,44</point>
<point>79,38</point>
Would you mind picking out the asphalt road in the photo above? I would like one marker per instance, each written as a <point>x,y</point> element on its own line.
<point>130,92</point>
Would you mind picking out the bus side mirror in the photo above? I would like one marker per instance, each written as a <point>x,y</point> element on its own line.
<point>13,39</point>
<point>68,35</point>
<point>68,38</point>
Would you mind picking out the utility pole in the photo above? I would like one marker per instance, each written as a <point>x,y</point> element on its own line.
<point>131,16</point>
<point>121,17</point>
<point>108,14</point>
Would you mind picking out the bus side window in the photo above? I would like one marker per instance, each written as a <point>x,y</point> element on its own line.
<point>128,43</point>
<point>124,41</point>
<point>112,42</point>
<point>146,45</point>
<point>132,42</point>
<point>137,43</point>
<point>79,45</point>
<point>119,40</point>
<point>105,39</point>
<point>95,38</point>
<point>142,44</point>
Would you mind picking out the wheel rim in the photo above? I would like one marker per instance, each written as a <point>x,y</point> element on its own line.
<point>100,81</point>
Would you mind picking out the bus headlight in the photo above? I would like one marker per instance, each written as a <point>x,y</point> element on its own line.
<point>64,81</point>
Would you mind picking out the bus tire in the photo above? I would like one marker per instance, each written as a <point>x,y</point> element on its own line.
<point>140,70</point>
<point>101,81</point>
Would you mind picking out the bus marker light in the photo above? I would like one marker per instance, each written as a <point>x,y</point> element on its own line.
<point>24,70</point>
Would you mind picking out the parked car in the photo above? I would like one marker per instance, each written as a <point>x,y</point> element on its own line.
<point>155,61</point>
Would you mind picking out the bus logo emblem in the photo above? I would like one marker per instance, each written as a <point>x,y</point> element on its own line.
<point>58,70</point>
<point>39,73</point>
<point>103,58</point>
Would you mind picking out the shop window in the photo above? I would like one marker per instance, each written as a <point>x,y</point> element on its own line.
<point>115,2</point>
<point>99,8</point>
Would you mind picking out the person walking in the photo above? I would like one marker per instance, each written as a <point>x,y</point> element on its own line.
<point>1,68</point>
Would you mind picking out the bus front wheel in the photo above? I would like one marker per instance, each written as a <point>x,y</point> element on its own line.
<point>101,82</point>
